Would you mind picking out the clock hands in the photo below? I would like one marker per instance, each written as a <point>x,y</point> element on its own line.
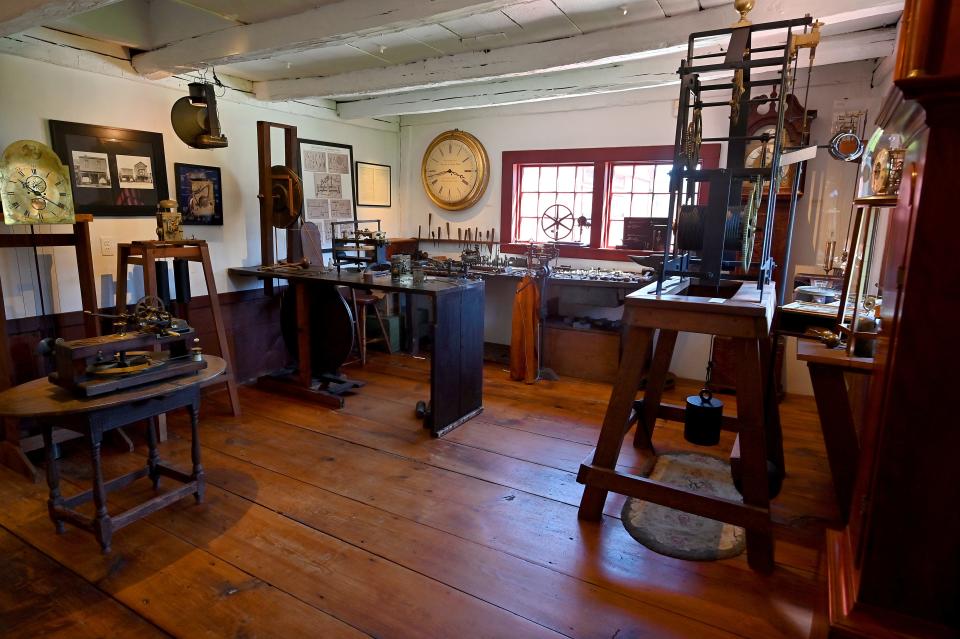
<point>38,194</point>
<point>450,171</point>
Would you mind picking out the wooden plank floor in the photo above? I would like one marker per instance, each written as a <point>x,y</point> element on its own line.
<point>356,522</point>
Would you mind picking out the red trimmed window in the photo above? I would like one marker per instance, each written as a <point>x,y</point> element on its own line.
<point>603,185</point>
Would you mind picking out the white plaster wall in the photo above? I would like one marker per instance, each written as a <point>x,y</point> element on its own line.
<point>633,119</point>
<point>37,92</point>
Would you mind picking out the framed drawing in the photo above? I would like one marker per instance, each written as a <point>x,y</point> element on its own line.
<point>373,184</point>
<point>113,172</point>
<point>326,169</point>
<point>199,193</point>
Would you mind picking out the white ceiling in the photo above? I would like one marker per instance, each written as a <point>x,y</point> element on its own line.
<point>245,39</point>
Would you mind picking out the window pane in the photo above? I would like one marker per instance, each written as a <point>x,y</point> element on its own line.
<point>640,207</point>
<point>615,238</point>
<point>566,177</point>
<point>643,178</point>
<point>528,205</point>
<point>529,177</point>
<point>619,206</point>
<point>661,205</point>
<point>622,177</point>
<point>528,229</point>
<point>546,200</point>
<point>662,182</point>
<point>548,178</point>
<point>585,178</point>
<point>584,205</point>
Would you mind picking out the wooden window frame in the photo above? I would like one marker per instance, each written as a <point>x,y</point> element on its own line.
<point>603,159</point>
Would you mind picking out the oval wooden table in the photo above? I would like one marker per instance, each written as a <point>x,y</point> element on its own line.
<point>52,406</point>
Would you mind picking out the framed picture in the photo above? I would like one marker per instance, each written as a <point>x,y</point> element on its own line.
<point>373,184</point>
<point>328,185</point>
<point>113,172</point>
<point>199,193</point>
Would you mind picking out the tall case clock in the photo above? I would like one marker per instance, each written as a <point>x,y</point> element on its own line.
<point>455,170</point>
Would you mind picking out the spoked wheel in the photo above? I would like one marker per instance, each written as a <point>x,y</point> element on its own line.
<point>557,222</point>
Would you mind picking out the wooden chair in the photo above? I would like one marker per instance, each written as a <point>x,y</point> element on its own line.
<point>361,302</point>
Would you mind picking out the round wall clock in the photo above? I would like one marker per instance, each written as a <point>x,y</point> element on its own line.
<point>34,185</point>
<point>455,170</point>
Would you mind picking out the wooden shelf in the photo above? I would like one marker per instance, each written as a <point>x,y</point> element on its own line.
<point>879,201</point>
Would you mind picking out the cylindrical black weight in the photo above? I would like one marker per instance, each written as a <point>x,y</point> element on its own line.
<point>690,228</point>
<point>703,419</point>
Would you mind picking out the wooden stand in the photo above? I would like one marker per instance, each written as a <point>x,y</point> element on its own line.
<point>13,446</point>
<point>93,418</point>
<point>264,164</point>
<point>828,367</point>
<point>146,254</point>
<point>746,318</point>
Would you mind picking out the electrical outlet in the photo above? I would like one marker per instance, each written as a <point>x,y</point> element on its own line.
<point>108,246</point>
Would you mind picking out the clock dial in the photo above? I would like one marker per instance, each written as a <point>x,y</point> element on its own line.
<point>454,170</point>
<point>759,152</point>
<point>34,186</point>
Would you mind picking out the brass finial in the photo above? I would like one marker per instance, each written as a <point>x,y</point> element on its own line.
<point>743,7</point>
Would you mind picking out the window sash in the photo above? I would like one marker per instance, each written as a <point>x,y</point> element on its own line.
<point>603,160</point>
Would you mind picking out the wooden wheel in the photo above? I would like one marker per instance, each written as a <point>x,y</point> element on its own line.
<point>557,222</point>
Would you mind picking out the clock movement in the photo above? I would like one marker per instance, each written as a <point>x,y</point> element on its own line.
<point>34,185</point>
<point>455,170</point>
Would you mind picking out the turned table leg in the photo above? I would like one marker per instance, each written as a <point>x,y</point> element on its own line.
<point>197,474</point>
<point>102,526</point>
<point>153,458</point>
<point>53,478</point>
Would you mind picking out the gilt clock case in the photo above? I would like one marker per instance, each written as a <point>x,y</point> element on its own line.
<point>455,190</point>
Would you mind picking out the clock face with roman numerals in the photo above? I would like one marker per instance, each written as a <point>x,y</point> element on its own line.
<point>34,185</point>
<point>454,171</point>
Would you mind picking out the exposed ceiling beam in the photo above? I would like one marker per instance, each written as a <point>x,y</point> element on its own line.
<point>629,76</point>
<point>328,25</point>
<point>599,48</point>
<point>19,15</point>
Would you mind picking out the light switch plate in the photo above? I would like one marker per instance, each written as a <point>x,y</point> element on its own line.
<point>108,246</point>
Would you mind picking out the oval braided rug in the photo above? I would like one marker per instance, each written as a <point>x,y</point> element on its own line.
<point>682,535</point>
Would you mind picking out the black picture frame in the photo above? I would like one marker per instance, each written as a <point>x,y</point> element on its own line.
<point>114,172</point>
<point>193,208</point>
<point>359,196</point>
<point>312,200</point>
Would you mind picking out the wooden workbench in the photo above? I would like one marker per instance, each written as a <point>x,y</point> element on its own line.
<point>456,370</point>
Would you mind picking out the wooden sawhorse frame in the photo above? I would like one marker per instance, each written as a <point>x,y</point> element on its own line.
<point>746,318</point>
<point>146,253</point>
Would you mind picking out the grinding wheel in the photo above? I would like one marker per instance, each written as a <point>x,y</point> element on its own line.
<point>331,328</point>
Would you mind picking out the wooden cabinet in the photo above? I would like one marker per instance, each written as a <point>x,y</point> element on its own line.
<point>895,569</point>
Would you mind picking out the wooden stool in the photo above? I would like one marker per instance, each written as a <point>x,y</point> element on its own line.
<point>146,253</point>
<point>745,317</point>
<point>361,301</point>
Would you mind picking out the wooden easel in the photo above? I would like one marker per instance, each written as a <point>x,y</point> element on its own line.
<point>146,254</point>
<point>745,317</point>
<point>13,447</point>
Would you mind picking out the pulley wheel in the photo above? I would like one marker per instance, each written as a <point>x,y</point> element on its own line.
<point>557,222</point>
<point>690,228</point>
<point>286,188</point>
<point>331,328</point>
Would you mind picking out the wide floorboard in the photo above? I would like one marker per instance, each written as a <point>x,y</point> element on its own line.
<point>322,523</point>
